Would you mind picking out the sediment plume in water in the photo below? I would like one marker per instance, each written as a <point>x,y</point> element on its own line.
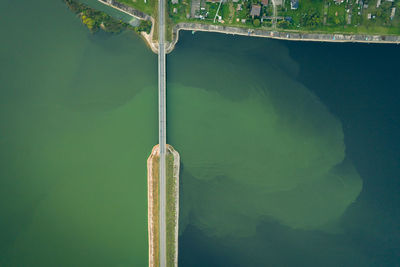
<point>277,154</point>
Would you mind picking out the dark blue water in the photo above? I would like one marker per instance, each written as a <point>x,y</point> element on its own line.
<point>359,85</point>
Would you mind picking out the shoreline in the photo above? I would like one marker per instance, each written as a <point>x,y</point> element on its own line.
<point>263,33</point>
<point>283,35</point>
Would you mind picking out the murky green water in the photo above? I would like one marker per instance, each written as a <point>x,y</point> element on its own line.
<point>78,117</point>
<point>285,160</point>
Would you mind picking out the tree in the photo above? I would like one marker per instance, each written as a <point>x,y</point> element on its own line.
<point>283,24</point>
<point>256,22</point>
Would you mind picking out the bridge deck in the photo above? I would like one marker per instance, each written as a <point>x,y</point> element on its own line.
<point>162,128</point>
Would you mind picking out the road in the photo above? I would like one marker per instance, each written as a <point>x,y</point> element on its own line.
<point>162,129</point>
<point>274,14</point>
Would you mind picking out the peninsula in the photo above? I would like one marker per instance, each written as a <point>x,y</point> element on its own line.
<point>172,205</point>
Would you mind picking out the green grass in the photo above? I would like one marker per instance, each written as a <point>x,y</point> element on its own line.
<point>182,10</point>
<point>309,14</point>
<point>171,209</point>
<point>336,20</point>
<point>156,204</point>
<point>148,7</point>
<point>337,14</point>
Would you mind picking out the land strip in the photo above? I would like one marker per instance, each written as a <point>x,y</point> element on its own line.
<point>153,202</point>
<point>283,35</point>
<point>246,31</point>
<point>172,205</point>
<point>126,9</point>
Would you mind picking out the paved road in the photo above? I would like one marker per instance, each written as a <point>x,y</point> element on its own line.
<point>162,128</point>
<point>274,14</point>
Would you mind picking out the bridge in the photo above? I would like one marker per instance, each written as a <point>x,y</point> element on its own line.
<point>162,129</point>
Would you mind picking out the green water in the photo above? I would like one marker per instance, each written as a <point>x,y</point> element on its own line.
<point>285,162</point>
<point>78,117</point>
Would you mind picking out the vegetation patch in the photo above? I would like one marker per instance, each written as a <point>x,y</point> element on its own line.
<point>146,6</point>
<point>154,202</point>
<point>96,20</point>
<point>171,209</point>
<point>144,26</point>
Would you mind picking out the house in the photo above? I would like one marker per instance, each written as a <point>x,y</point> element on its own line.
<point>255,11</point>
<point>393,13</point>
<point>264,2</point>
<point>294,4</point>
<point>338,2</point>
<point>174,2</point>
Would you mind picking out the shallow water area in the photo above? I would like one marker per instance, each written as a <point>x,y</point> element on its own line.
<point>77,119</point>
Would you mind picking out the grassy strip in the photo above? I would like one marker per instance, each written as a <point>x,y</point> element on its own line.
<point>156,209</point>
<point>169,25</point>
<point>147,7</point>
<point>171,209</point>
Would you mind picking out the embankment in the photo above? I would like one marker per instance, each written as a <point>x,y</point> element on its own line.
<point>282,35</point>
<point>172,205</point>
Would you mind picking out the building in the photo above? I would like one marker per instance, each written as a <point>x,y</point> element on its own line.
<point>294,4</point>
<point>255,11</point>
<point>174,1</point>
<point>393,13</point>
<point>264,2</point>
<point>339,1</point>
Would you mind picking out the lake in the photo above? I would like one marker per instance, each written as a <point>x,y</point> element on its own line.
<point>290,150</point>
